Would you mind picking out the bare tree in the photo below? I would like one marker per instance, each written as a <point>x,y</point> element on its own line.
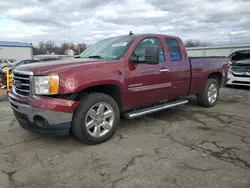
<point>42,48</point>
<point>50,46</point>
<point>81,47</point>
<point>192,43</point>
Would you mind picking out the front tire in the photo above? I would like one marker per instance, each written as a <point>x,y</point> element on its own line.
<point>209,97</point>
<point>96,118</point>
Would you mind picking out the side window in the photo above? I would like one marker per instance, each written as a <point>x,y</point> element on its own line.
<point>141,48</point>
<point>174,50</point>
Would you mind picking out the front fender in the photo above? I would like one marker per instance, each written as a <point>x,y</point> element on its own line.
<point>78,81</point>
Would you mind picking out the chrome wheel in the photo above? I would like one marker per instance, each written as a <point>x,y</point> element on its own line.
<point>212,93</point>
<point>99,119</point>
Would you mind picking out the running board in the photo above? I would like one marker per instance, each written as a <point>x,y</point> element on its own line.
<point>157,108</point>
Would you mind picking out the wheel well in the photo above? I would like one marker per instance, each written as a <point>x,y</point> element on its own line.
<point>217,76</point>
<point>111,90</point>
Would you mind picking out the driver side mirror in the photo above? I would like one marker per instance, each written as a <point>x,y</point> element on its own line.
<point>151,56</point>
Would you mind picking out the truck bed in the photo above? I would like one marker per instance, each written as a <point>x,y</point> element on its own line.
<point>202,67</point>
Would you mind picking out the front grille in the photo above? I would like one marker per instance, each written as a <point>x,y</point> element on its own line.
<point>241,68</point>
<point>241,82</point>
<point>21,83</point>
<point>241,75</point>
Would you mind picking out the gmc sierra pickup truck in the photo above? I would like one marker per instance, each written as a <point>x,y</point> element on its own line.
<point>131,75</point>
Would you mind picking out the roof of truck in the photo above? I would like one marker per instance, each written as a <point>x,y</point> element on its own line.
<point>15,44</point>
<point>154,34</point>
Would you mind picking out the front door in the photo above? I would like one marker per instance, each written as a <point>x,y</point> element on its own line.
<point>147,83</point>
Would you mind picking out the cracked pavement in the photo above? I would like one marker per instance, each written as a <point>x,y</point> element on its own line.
<point>187,146</point>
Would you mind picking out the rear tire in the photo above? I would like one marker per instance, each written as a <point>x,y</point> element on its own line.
<point>209,97</point>
<point>96,118</point>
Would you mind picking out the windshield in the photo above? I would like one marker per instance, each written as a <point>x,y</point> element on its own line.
<point>246,61</point>
<point>16,63</point>
<point>11,60</point>
<point>109,49</point>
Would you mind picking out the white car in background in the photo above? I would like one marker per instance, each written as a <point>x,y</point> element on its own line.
<point>239,73</point>
<point>5,62</point>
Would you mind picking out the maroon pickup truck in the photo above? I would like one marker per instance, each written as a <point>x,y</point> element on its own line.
<point>130,75</point>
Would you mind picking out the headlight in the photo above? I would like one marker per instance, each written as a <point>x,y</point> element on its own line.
<point>46,85</point>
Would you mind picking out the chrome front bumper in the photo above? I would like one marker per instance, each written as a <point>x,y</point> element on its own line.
<point>41,120</point>
<point>236,80</point>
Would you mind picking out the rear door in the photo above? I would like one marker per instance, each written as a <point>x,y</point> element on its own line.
<point>179,68</point>
<point>146,84</point>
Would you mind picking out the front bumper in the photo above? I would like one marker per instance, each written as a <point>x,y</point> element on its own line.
<point>237,80</point>
<point>41,120</point>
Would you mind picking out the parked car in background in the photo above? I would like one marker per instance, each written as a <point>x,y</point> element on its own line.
<point>23,62</point>
<point>6,69</point>
<point>47,58</point>
<point>4,63</point>
<point>239,71</point>
<point>133,75</point>
<point>29,61</point>
<point>12,60</point>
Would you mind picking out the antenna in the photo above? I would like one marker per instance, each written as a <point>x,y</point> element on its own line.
<point>131,33</point>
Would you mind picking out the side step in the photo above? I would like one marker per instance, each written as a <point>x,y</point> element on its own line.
<point>157,108</point>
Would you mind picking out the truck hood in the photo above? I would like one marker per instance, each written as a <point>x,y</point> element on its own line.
<point>47,67</point>
<point>239,55</point>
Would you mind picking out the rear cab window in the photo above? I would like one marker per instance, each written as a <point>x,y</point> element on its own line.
<point>174,49</point>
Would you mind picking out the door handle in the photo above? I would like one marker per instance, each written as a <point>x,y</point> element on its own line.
<point>164,70</point>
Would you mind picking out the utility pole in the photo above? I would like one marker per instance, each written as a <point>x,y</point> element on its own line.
<point>78,46</point>
<point>68,41</point>
<point>69,37</point>
<point>230,41</point>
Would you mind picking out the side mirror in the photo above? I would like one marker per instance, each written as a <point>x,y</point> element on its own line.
<point>134,58</point>
<point>152,55</point>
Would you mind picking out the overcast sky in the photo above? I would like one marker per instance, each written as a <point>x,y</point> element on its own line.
<point>214,21</point>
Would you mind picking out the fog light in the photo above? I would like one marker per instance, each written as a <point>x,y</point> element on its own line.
<point>41,122</point>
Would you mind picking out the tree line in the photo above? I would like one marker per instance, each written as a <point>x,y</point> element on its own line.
<point>195,43</point>
<point>50,47</point>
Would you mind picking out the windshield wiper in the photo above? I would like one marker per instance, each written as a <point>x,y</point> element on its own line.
<point>95,57</point>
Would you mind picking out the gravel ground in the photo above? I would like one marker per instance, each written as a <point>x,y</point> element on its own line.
<point>187,146</point>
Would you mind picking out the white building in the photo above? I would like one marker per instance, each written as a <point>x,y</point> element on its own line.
<point>216,50</point>
<point>16,50</point>
<point>69,52</point>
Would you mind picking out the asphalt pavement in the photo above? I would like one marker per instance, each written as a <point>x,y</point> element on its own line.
<point>187,146</point>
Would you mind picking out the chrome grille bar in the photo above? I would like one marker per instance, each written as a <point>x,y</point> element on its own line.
<point>22,90</point>
<point>20,78</point>
<point>21,83</point>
